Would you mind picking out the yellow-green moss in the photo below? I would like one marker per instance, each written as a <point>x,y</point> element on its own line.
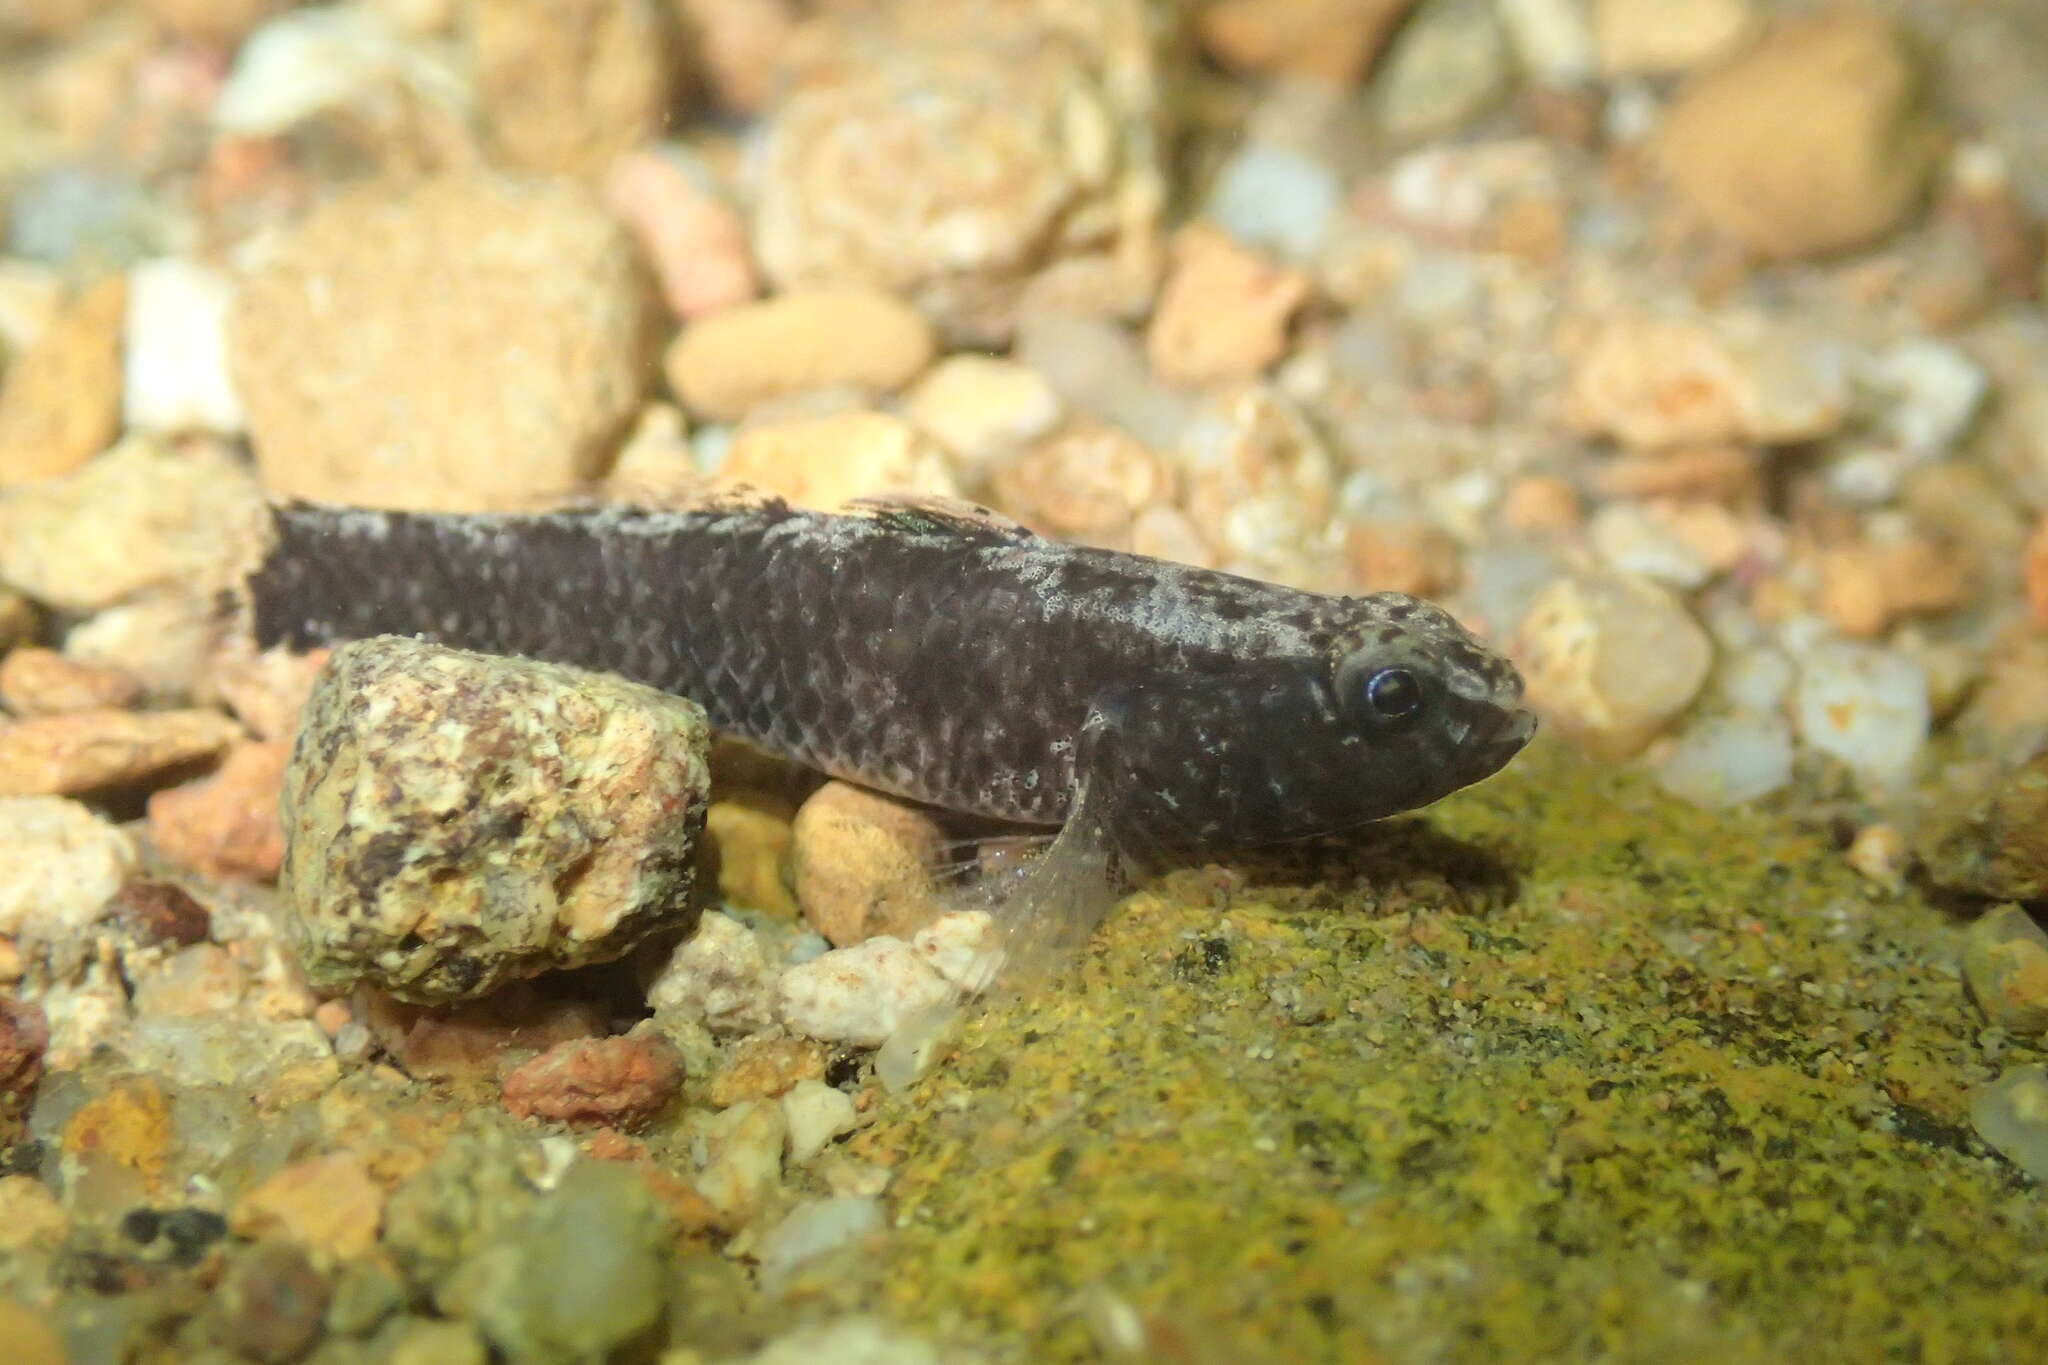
<point>1563,1070</point>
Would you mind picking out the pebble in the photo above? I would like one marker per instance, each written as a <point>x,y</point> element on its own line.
<point>24,1036</point>
<point>1932,392</point>
<point>826,462</point>
<point>1223,312</point>
<point>816,1113</point>
<point>61,404</point>
<point>455,821</point>
<point>363,387</point>
<point>1610,660</point>
<point>1275,198</point>
<point>429,1342</point>
<point>32,1218</point>
<point>1553,41</point>
<point>1446,66</point>
<point>2011,1114</point>
<point>469,1041</point>
<point>846,1341</point>
<point>226,827</point>
<point>764,1068</point>
<point>860,994</point>
<point>271,1304</point>
<point>308,62</point>
<point>719,978</point>
<point>740,45</point>
<point>139,517</point>
<point>1990,838</point>
<point>963,946</point>
<point>329,1206</point>
<point>982,409</point>
<point>1088,483</point>
<point>620,1082</point>
<point>815,1228</point>
<point>694,239</point>
<point>1816,139</point>
<point>42,682</point>
<point>1879,854</point>
<point>568,86</point>
<point>1667,37</point>
<point>1658,383</point>
<point>1633,542</point>
<point>1866,706</point>
<point>1324,40</point>
<point>175,356</point>
<point>862,863</point>
<point>1727,760</point>
<point>2005,962</point>
<point>88,751</point>
<point>203,979</point>
<point>742,1157</point>
<point>751,835</point>
<point>164,638</point>
<point>1097,367</point>
<point>726,364</point>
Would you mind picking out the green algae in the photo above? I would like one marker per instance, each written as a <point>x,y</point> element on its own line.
<point>1562,1070</point>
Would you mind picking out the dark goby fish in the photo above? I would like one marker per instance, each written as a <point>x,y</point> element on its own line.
<point>934,651</point>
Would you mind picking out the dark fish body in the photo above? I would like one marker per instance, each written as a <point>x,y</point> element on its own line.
<point>946,656</point>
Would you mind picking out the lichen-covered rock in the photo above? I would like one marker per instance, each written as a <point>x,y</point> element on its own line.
<point>61,404</point>
<point>140,516</point>
<point>2005,961</point>
<point>59,863</point>
<point>1993,840</point>
<point>455,821</point>
<point>362,385</point>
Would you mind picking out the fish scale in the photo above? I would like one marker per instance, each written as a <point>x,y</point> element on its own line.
<point>937,653</point>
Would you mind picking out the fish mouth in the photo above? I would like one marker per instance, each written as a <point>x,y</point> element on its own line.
<point>1490,749</point>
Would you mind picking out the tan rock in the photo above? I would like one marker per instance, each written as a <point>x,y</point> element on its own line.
<point>1816,140</point>
<point>824,462</point>
<point>364,386</point>
<point>329,1205</point>
<point>725,365</point>
<point>222,22</point>
<point>1610,661</point>
<point>1330,40</point>
<point>59,865</point>
<point>197,981</point>
<point>751,836</point>
<point>31,1219</point>
<point>91,750</point>
<point>566,86</point>
<point>42,682</point>
<point>982,408</point>
<point>1088,483</point>
<point>226,826</point>
<point>61,404</point>
<point>695,240</point>
<point>1541,504</point>
<point>32,1337</point>
<point>1410,555</point>
<point>1224,312</point>
<point>863,864</point>
<point>765,1068</point>
<point>1660,37</point>
<point>739,44</point>
<point>18,619</point>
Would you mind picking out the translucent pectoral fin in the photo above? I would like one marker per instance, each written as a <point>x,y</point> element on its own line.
<point>1045,909</point>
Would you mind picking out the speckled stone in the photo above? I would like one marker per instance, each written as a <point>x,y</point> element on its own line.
<point>455,821</point>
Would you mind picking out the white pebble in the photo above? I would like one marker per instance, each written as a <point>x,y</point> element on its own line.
<point>175,373</point>
<point>860,994</point>
<point>2011,1114</point>
<point>1627,539</point>
<point>719,977</point>
<point>58,864</point>
<point>1866,706</point>
<point>846,1341</point>
<point>963,946</point>
<point>812,1229</point>
<point>309,61</point>
<point>1275,198</point>
<point>1552,38</point>
<point>1757,678</point>
<point>816,1113</point>
<point>1726,760</point>
<point>1934,389</point>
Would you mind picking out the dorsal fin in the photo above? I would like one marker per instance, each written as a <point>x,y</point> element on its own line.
<point>934,514</point>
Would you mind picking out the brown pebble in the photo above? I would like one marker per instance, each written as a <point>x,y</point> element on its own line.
<point>42,682</point>
<point>272,1304</point>
<point>61,404</point>
<point>90,750</point>
<point>1409,556</point>
<point>1321,40</point>
<point>23,1037</point>
<point>763,1068</point>
<point>226,826</point>
<point>161,912</point>
<point>1540,504</point>
<point>618,1081</point>
<point>1727,473</point>
<point>1223,312</point>
<point>862,863</point>
<point>468,1042</point>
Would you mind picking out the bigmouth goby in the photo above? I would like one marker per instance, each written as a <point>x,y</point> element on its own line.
<point>936,652</point>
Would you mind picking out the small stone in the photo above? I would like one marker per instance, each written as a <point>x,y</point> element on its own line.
<point>1087,484</point>
<point>31,1219</point>
<point>175,361</point>
<point>847,1341</point>
<point>1817,139</point>
<point>739,44</point>
<point>982,408</point>
<point>1665,37</point>
<point>826,462</point>
<point>271,1304</point>
<point>728,363</point>
<point>363,387</point>
<point>1275,198</point>
<point>1540,504</point>
<point>620,1082</point>
<point>1553,42</point>
<point>59,864</point>
<point>2011,1114</point>
<point>1991,838</point>
<point>860,994</point>
<point>1223,312</point>
<point>862,863</point>
<point>2005,962</point>
<point>454,821</point>
<point>42,682</point>
<point>1611,661</point>
<point>964,946</point>
<point>164,639</point>
<point>1880,856</point>
<point>438,1343</point>
<point>126,1130</point>
<point>1446,66</point>
<point>329,1206</point>
<point>1659,383</point>
<point>751,837</point>
<point>1328,40</point>
<point>196,982</point>
<point>816,1114</point>
<point>695,240</point>
<point>93,750</point>
<point>1632,542</point>
<point>765,1069</point>
<point>815,1228</point>
<point>266,691</point>
<point>1727,760</point>
<point>138,517</point>
<point>61,404</point>
<point>1934,391</point>
<point>566,86</point>
<point>743,1157</point>
<point>225,827</point>
<point>24,1037</point>
<point>718,978</point>
<point>1865,706</point>
<point>470,1041</point>
<point>329,60</point>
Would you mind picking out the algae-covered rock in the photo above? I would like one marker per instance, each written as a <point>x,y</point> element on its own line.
<point>1994,841</point>
<point>455,821</point>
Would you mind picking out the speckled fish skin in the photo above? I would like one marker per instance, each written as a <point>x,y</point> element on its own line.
<point>943,656</point>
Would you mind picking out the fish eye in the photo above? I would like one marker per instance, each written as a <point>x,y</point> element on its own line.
<point>1393,694</point>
